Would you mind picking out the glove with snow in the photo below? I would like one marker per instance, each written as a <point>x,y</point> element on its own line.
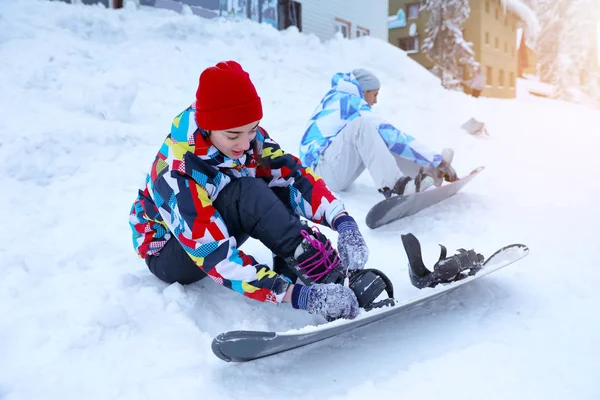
<point>352,249</point>
<point>330,300</point>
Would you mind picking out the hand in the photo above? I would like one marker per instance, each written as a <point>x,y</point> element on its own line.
<point>352,249</point>
<point>447,171</point>
<point>330,300</point>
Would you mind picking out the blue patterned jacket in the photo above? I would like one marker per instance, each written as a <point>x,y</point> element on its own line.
<point>343,103</point>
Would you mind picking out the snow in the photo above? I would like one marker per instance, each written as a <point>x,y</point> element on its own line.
<point>87,96</point>
<point>533,86</point>
<point>526,14</point>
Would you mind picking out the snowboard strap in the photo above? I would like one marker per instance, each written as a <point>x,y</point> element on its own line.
<point>442,252</point>
<point>367,284</point>
<point>413,251</point>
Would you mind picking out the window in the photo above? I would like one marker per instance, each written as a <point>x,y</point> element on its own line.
<point>487,38</point>
<point>501,78</point>
<point>413,11</point>
<point>409,44</point>
<point>343,27</point>
<point>488,75</point>
<point>513,50</point>
<point>360,31</point>
<point>487,7</point>
<point>496,43</point>
<point>497,14</point>
<point>512,80</point>
<point>506,47</point>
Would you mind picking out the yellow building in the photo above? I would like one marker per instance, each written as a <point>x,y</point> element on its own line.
<point>491,27</point>
<point>526,57</point>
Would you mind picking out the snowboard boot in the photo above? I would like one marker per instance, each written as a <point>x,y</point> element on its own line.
<point>407,185</point>
<point>281,267</point>
<point>315,260</point>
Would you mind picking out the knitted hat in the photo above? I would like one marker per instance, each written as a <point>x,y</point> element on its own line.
<point>226,98</point>
<point>366,80</point>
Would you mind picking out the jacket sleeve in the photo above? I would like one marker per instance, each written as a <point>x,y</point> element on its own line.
<point>197,225</point>
<point>309,195</point>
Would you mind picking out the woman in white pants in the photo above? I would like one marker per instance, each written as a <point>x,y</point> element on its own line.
<point>343,138</point>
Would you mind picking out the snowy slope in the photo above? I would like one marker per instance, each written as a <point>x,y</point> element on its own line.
<point>87,96</point>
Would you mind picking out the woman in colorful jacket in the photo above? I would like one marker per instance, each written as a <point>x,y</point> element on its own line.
<point>343,138</point>
<point>218,179</point>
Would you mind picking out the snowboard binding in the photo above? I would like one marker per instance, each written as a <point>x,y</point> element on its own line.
<point>367,284</point>
<point>446,270</point>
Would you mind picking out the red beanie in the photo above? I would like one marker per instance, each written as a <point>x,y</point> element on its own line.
<point>226,98</point>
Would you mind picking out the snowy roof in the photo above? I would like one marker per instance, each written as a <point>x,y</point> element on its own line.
<point>529,39</point>
<point>519,35</point>
<point>525,13</point>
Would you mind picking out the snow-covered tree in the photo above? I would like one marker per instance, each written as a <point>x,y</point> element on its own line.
<point>444,43</point>
<point>552,17</point>
<point>566,46</point>
<point>579,44</point>
<point>590,77</point>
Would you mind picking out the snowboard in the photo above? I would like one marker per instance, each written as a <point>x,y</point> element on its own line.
<point>398,207</point>
<point>242,346</point>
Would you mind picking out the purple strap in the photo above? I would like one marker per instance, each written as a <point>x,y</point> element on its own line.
<point>319,260</point>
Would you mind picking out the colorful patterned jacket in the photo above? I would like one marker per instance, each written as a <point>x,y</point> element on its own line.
<point>343,103</point>
<point>177,200</point>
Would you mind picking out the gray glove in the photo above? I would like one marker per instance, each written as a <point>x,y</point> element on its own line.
<point>330,300</point>
<point>352,249</point>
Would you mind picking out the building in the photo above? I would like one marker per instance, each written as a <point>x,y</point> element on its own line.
<point>105,3</point>
<point>491,27</point>
<point>266,11</point>
<point>352,18</point>
<point>526,57</point>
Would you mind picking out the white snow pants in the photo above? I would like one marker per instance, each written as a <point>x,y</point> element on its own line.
<point>359,146</point>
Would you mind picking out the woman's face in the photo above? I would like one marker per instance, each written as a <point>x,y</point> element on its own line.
<point>371,96</point>
<point>235,141</point>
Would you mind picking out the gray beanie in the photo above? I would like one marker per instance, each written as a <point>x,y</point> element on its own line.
<point>366,80</point>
